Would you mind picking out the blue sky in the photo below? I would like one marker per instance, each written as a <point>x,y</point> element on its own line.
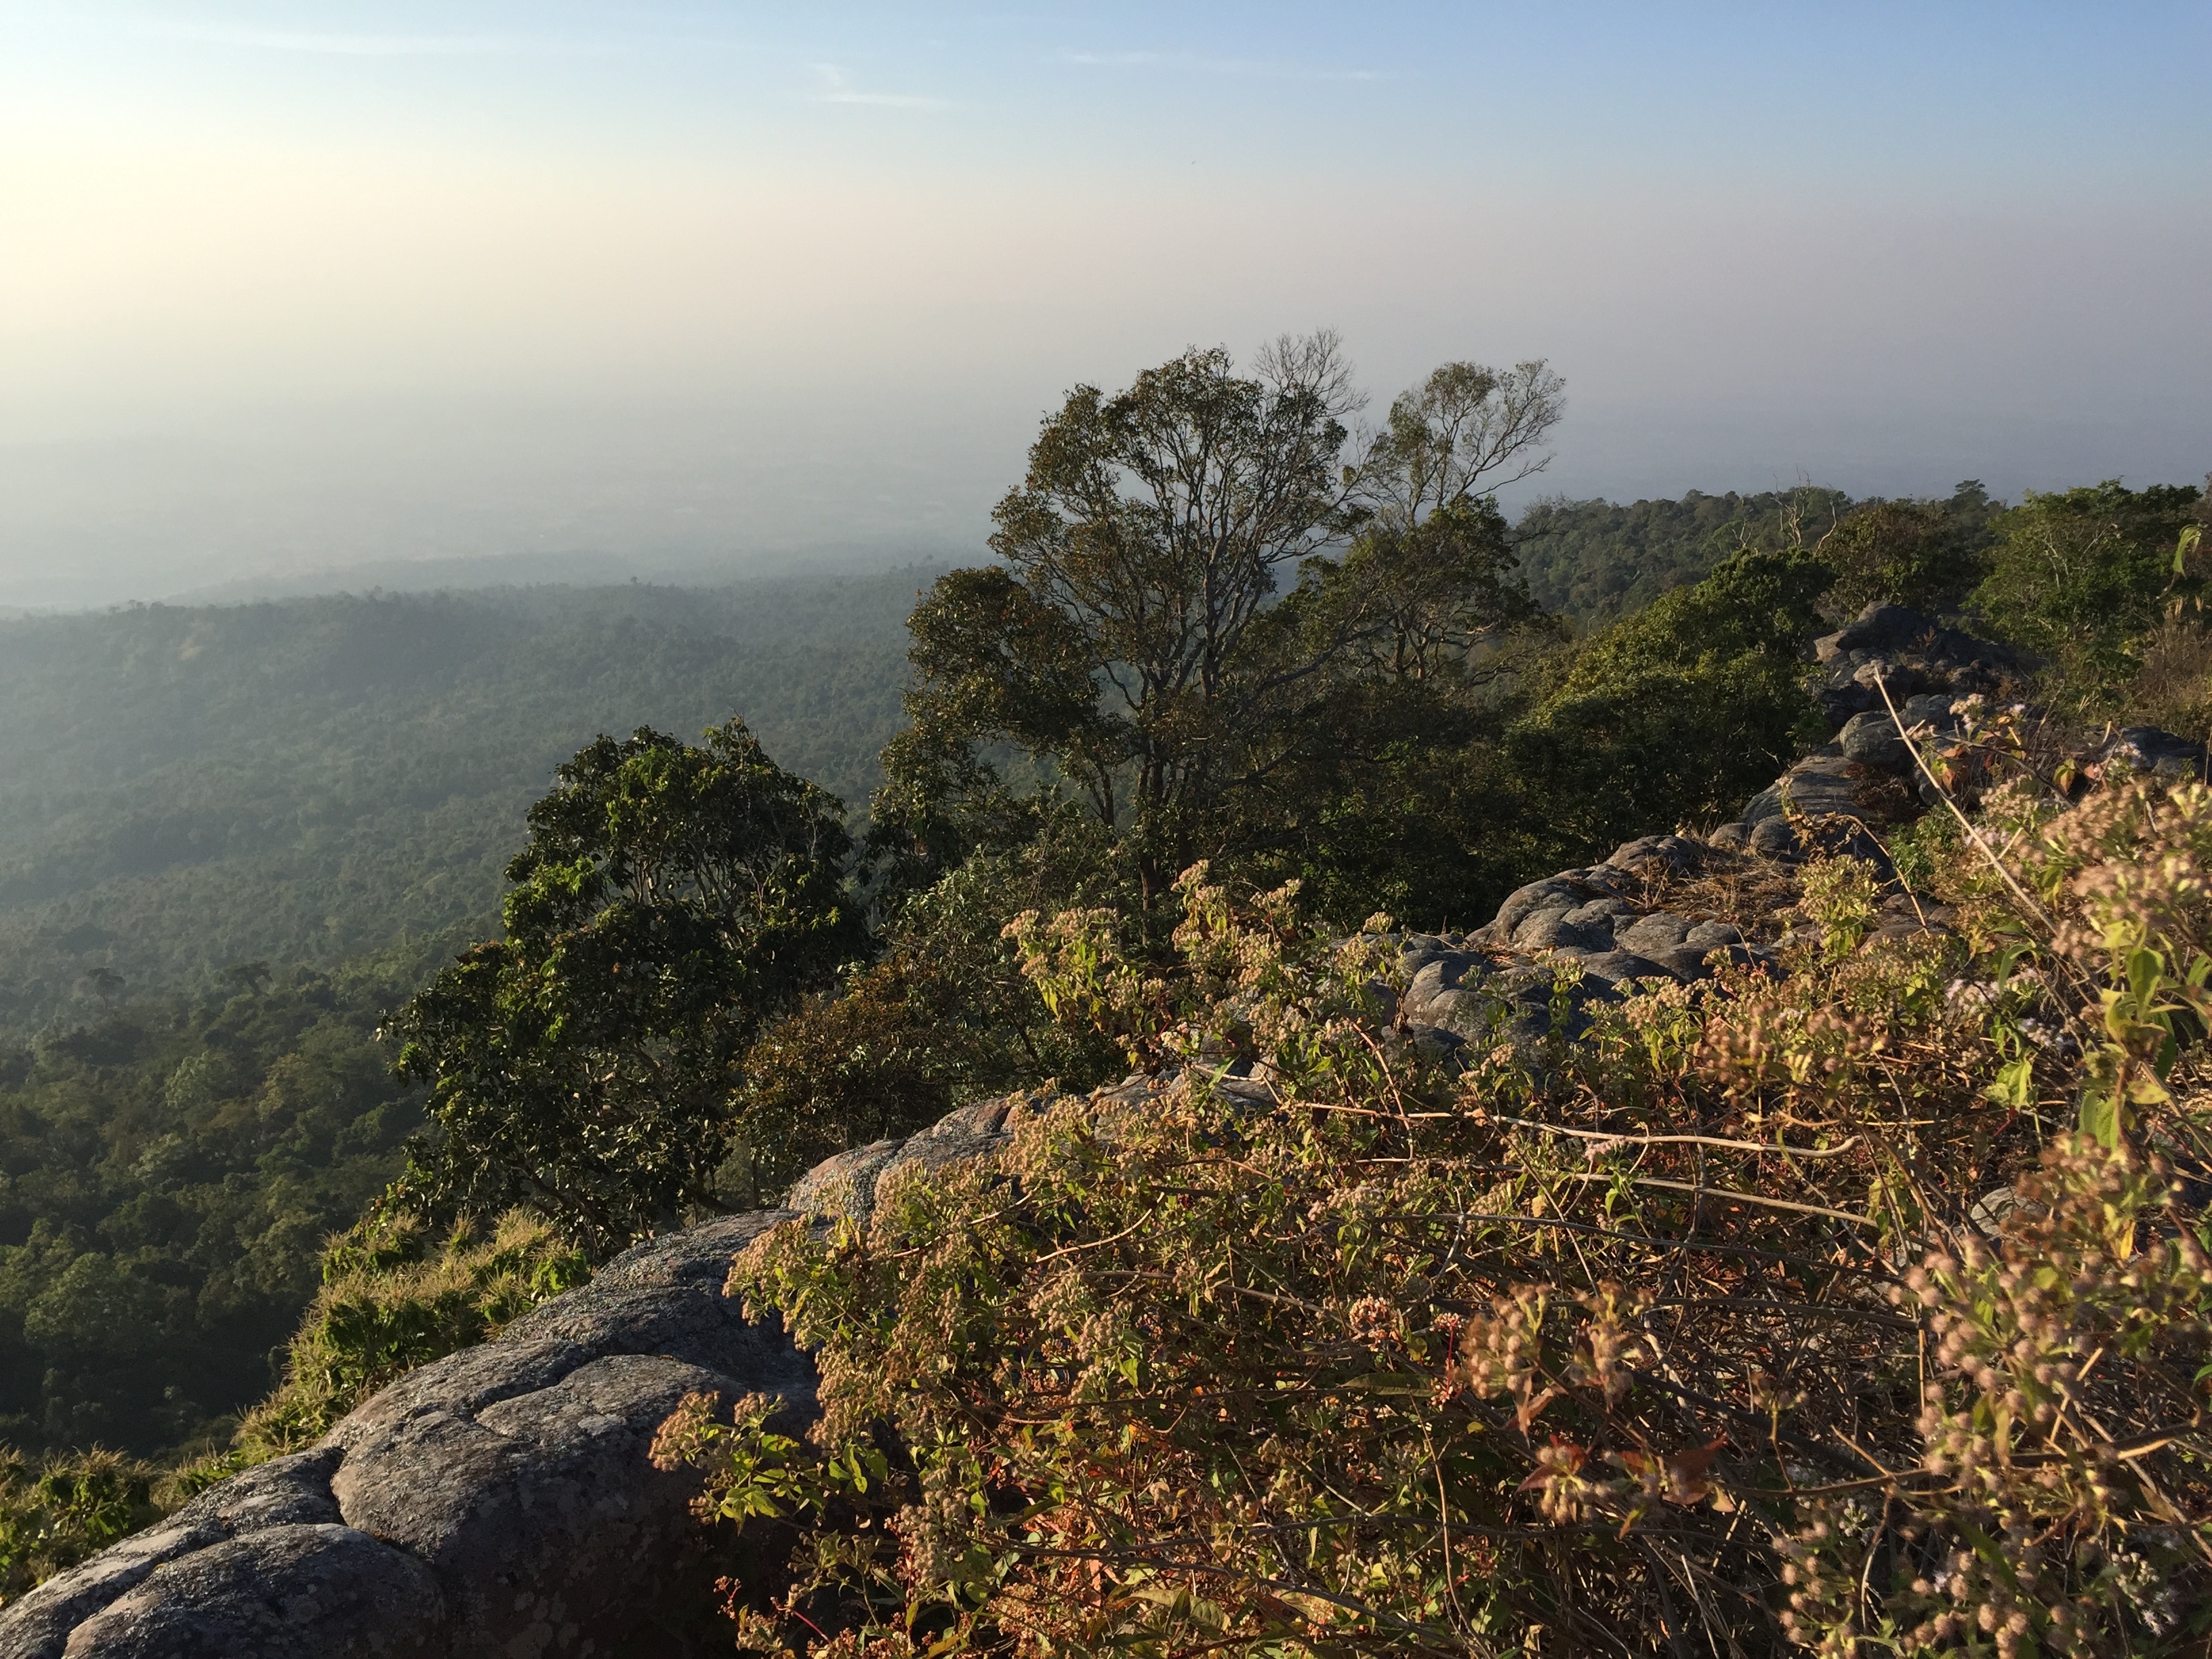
<point>309,286</point>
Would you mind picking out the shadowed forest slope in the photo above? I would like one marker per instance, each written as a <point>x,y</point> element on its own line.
<point>305,782</point>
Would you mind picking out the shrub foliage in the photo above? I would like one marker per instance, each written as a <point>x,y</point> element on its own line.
<point>1863,1308</point>
<point>670,900</point>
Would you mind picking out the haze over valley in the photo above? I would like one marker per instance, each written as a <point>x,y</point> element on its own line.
<point>706,291</point>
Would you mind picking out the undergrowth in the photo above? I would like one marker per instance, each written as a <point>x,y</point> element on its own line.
<point>395,1297</point>
<point>57,1509</point>
<point>1861,1308</point>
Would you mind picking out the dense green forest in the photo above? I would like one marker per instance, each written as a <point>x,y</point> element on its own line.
<point>230,839</point>
<point>1596,561</point>
<point>169,1177</point>
<point>305,782</point>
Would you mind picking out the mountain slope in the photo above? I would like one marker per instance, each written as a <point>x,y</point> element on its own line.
<point>305,782</point>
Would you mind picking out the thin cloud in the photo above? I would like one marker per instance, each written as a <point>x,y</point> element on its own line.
<point>324,44</point>
<point>1192,64</point>
<point>353,45</point>
<point>838,89</point>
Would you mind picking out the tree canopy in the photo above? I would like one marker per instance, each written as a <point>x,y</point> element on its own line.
<point>671,899</point>
<point>1130,640</point>
<point>1678,714</point>
<point>2080,574</point>
<point>1927,555</point>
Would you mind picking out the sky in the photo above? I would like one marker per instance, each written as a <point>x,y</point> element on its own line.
<point>307,294</point>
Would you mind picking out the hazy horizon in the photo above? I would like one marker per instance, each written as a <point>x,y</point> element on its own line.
<point>721,288</point>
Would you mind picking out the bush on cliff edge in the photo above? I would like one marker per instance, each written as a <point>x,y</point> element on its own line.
<point>1863,1309</point>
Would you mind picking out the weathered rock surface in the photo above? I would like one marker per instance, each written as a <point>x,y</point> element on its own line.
<point>1909,653</point>
<point>846,1184</point>
<point>276,1591</point>
<point>1609,923</point>
<point>497,1501</point>
<point>291,1491</point>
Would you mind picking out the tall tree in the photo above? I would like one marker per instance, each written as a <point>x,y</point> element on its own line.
<point>1467,430</point>
<point>670,900</point>
<point>1675,714</point>
<point>1129,640</point>
<point>1924,554</point>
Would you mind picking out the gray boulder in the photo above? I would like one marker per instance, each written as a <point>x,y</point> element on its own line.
<point>1649,935</point>
<point>1435,989</point>
<point>1821,784</point>
<point>2147,749</point>
<point>1872,739</point>
<point>499,1501</point>
<point>1514,1004</point>
<point>1618,967</point>
<point>1879,628</point>
<point>1774,837</point>
<point>1557,930</point>
<point>1907,653</point>
<point>37,1625</point>
<point>1554,893</point>
<point>277,1593</point>
<point>1416,950</point>
<point>1901,679</point>
<point>1653,858</point>
<point>538,1512</point>
<point>1932,710</point>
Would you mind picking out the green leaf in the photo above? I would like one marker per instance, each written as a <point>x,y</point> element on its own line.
<point>2100,1117</point>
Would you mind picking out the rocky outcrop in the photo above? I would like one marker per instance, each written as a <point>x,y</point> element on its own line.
<point>296,1588</point>
<point>1868,776</point>
<point>1911,654</point>
<point>846,1184</point>
<point>496,1502</point>
<point>1613,924</point>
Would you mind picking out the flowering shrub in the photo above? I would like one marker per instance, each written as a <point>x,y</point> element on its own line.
<point>1861,1308</point>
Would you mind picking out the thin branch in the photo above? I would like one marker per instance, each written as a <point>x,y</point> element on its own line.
<point>1729,1196</point>
<point>1972,834</point>
<point>1683,1140</point>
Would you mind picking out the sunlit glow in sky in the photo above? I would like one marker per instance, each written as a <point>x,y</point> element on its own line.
<point>300,288</point>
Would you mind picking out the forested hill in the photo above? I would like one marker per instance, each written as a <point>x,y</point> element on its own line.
<point>301,783</point>
<point>1597,561</point>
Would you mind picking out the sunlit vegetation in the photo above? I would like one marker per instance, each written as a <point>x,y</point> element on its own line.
<point>1864,1307</point>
